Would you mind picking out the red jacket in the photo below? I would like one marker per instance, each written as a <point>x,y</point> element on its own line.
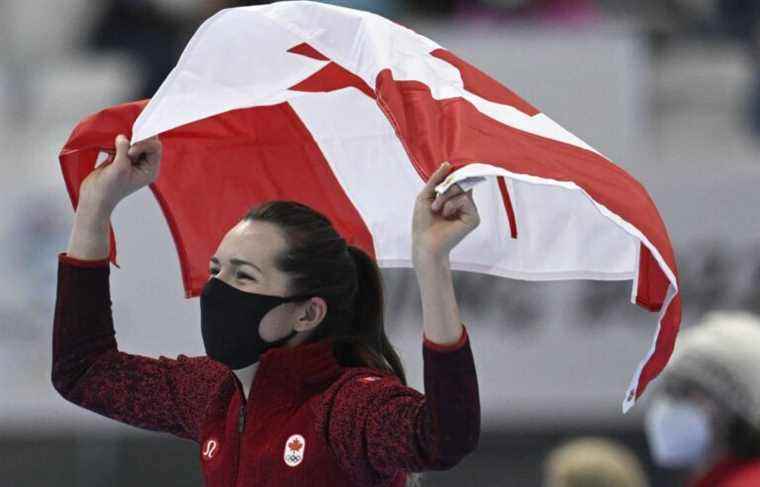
<point>732,473</point>
<point>308,420</point>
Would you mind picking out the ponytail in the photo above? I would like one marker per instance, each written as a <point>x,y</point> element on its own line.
<point>369,318</point>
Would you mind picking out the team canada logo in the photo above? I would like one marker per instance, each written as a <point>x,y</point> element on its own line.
<point>210,448</point>
<point>294,449</point>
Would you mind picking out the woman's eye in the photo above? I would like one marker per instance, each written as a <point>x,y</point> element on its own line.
<point>243,276</point>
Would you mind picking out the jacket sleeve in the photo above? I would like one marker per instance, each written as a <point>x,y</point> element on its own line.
<point>377,427</point>
<point>163,394</point>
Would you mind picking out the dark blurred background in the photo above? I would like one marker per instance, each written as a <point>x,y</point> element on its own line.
<point>669,90</point>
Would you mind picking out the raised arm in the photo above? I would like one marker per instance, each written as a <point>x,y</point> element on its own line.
<point>161,394</point>
<point>379,428</point>
<point>439,223</point>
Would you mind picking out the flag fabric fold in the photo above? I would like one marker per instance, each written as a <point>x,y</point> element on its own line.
<point>351,113</point>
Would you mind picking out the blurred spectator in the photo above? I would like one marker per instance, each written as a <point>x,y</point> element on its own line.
<point>154,32</point>
<point>154,36</point>
<point>705,416</point>
<point>386,8</point>
<point>593,462</point>
<point>741,20</point>
<point>711,20</point>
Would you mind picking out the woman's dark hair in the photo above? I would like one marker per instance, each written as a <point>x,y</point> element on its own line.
<point>321,263</point>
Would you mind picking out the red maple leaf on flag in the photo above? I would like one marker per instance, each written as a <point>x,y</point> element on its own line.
<point>295,445</point>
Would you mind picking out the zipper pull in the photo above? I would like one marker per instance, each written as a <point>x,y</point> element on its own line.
<point>241,419</point>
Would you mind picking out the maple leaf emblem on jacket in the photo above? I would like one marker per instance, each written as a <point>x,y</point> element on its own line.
<point>295,445</point>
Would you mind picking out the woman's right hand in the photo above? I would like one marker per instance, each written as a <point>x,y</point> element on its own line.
<point>131,169</point>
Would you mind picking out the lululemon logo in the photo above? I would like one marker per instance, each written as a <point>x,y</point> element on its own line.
<point>369,379</point>
<point>210,447</point>
<point>294,449</point>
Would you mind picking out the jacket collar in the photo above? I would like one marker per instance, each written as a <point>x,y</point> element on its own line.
<point>297,370</point>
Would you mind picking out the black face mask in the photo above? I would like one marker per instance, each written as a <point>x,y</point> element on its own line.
<point>230,321</point>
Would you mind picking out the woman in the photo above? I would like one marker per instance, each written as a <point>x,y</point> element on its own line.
<point>300,386</point>
<point>705,418</point>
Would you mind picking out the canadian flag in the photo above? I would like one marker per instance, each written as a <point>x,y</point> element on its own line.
<point>350,113</point>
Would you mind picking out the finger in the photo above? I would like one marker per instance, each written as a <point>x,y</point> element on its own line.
<point>148,149</point>
<point>452,206</point>
<point>122,148</point>
<point>143,147</point>
<point>436,178</point>
<point>453,190</point>
<point>463,201</point>
<point>151,145</point>
<point>468,193</point>
<point>153,150</point>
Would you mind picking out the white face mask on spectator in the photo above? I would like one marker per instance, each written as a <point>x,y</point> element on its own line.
<point>679,433</point>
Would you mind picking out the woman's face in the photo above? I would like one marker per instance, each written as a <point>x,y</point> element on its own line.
<point>245,259</point>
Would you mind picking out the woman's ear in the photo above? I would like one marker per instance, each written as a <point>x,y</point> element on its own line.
<point>311,314</point>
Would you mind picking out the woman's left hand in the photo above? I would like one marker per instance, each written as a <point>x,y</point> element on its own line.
<point>440,222</point>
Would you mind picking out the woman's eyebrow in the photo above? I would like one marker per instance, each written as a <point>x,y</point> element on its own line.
<point>238,262</point>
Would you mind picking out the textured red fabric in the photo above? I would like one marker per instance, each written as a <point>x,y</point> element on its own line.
<point>355,426</point>
<point>732,472</point>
